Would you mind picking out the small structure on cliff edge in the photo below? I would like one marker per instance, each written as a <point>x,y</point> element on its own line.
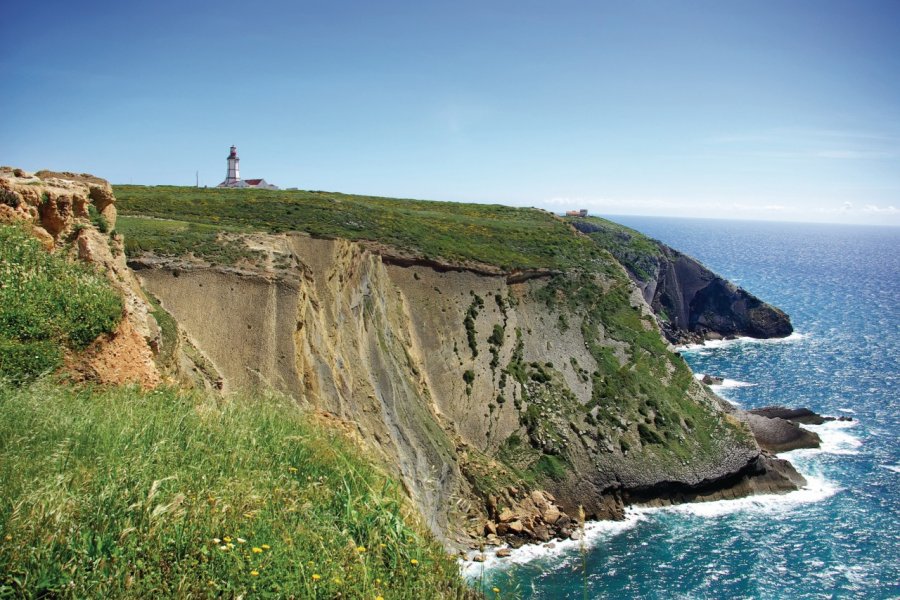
<point>577,213</point>
<point>233,176</point>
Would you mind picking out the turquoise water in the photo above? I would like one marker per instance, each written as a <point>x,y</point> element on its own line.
<point>838,538</point>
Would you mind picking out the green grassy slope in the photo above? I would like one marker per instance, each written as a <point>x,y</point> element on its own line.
<point>511,238</point>
<point>122,493</point>
<point>47,306</point>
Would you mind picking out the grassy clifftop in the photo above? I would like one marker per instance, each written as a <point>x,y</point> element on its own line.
<point>120,493</point>
<point>509,238</point>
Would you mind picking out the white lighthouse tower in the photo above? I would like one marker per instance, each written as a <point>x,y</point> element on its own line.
<point>234,169</point>
<point>233,177</point>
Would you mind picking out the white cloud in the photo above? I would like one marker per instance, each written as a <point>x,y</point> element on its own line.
<point>871,208</point>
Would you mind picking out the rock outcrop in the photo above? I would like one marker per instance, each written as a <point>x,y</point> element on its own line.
<point>692,303</point>
<point>779,435</point>
<point>75,214</point>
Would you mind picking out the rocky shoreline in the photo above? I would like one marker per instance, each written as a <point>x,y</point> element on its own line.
<point>517,518</point>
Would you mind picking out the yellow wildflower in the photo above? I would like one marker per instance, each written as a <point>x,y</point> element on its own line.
<point>496,590</point>
<point>248,515</point>
<point>316,577</point>
<point>379,597</point>
<point>413,562</point>
<point>227,539</point>
<point>254,573</point>
<point>266,546</point>
<point>361,549</point>
<point>257,550</point>
<point>292,469</point>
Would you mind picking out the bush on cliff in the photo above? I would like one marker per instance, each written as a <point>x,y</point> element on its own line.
<point>47,304</point>
<point>122,493</point>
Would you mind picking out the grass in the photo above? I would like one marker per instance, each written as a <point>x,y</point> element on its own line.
<point>174,238</point>
<point>47,306</point>
<point>507,237</point>
<point>120,493</point>
<point>637,252</point>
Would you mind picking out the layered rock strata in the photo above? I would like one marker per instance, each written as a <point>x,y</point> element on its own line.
<point>502,410</point>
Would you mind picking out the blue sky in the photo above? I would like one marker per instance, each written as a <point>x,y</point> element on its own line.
<point>786,110</point>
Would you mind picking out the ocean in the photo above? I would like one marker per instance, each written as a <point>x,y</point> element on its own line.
<point>837,538</point>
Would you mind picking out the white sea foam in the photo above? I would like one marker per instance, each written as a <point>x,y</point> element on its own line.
<point>594,533</point>
<point>716,344</point>
<point>816,490</point>
<point>726,384</point>
<point>894,468</point>
<point>836,439</point>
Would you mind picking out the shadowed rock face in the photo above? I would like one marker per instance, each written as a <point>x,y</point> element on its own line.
<point>701,305</point>
<point>691,302</point>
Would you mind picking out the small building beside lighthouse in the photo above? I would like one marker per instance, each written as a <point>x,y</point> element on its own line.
<point>233,175</point>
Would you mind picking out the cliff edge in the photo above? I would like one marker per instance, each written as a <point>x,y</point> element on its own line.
<point>692,303</point>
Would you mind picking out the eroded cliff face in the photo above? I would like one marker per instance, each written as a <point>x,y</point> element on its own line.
<point>502,404</point>
<point>63,211</point>
<point>696,304</point>
<point>691,302</point>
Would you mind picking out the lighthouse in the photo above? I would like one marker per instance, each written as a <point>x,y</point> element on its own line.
<point>234,169</point>
<point>233,176</point>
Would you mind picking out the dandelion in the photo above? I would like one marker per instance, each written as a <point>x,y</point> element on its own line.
<point>254,572</point>
<point>377,582</point>
<point>379,597</point>
<point>266,547</point>
<point>496,590</point>
<point>337,580</point>
<point>257,550</point>
<point>316,577</point>
<point>227,539</point>
<point>413,562</point>
<point>361,549</point>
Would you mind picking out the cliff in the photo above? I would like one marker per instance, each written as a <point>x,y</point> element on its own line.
<point>503,366</point>
<point>502,404</point>
<point>691,302</point>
